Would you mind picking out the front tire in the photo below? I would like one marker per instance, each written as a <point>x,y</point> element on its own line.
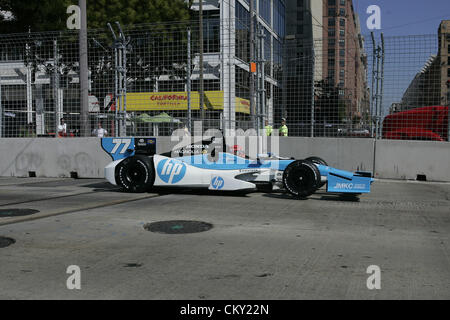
<point>135,174</point>
<point>301,178</point>
<point>318,160</point>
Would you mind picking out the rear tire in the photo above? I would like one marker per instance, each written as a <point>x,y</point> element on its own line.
<point>318,160</point>
<point>135,174</point>
<point>301,178</point>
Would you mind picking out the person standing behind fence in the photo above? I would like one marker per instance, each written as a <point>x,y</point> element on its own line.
<point>283,129</point>
<point>268,129</point>
<point>62,128</point>
<point>100,132</point>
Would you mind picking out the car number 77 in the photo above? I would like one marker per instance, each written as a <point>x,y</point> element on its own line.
<point>118,142</point>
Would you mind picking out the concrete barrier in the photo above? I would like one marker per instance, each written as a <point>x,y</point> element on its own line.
<point>396,159</point>
<point>343,153</point>
<point>47,157</point>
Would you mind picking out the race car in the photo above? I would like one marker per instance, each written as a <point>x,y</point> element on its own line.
<point>137,168</point>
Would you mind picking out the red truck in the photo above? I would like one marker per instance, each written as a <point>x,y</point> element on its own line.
<point>426,123</point>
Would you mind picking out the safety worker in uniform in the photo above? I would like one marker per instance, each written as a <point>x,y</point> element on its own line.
<point>268,128</point>
<point>283,129</point>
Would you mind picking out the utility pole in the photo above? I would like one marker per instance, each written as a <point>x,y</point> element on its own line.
<point>202,97</point>
<point>84,72</point>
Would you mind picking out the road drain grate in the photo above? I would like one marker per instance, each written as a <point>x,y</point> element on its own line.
<point>4,213</point>
<point>5,242</point>
<point>178,227</point>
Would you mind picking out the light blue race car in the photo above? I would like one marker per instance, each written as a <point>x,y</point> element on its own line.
<point>136,169</point>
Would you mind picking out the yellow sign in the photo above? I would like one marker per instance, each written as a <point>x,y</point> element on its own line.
<point>170,101</point>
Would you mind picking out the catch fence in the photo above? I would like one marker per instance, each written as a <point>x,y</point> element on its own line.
<point>149,80</point>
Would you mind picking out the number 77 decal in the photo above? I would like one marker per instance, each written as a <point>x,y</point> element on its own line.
<point>118,148</point>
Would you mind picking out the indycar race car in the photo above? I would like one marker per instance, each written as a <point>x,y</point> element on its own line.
<point>137,168</point>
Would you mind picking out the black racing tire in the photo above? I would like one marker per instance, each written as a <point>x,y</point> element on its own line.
<point>135,174</point>
<point>318,160</point>
<point>301,178</point>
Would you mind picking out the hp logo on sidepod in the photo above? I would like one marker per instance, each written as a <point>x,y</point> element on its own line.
<point>217,183</point>
<point>171,171</point>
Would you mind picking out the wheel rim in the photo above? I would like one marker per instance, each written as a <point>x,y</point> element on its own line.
<point>300,178</point>
<point>135,174</point>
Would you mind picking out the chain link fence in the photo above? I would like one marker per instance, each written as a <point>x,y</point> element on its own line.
<point>146,81</point>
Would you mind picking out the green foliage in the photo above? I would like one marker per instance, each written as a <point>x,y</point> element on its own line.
<point>329,104</point>
<point>50,15</point>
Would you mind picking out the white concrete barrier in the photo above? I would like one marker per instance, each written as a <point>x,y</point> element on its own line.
<point>50,157</point>
<point>398,159</point>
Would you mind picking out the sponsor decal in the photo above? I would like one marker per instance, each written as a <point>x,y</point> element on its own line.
<point>350,186</point>
<point>171,171</point>
<point>249,171</point>
<point>217,183</point>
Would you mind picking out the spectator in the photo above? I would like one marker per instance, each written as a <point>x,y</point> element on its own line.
<point>62,128</point>
<point>100,132</point>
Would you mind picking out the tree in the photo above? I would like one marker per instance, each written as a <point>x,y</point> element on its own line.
<point>50,15</point>
<point>330,107</point>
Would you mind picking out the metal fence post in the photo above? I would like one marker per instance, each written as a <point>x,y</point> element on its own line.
<point>1,109</point>
<point>188,80</point>
<point>381,88</point>
<point>448,111</point>
<point>84,72</point>
<point>312,90</point>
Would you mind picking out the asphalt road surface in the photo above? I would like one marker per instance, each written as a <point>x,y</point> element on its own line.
<point>260,246</point>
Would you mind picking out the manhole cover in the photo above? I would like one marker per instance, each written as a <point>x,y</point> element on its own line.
<point>178,227</point>
<point>16,212</point>
<point>4,242</point>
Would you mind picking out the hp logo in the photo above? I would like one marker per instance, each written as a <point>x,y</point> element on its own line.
<point>217,183</point>
<point>171,171</point>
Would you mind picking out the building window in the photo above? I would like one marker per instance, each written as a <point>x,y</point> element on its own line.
<point>331,52</point>
<point>300,3</point>
<point>331,42</point>
<point>449,49</point>
<point>331,33</point>
<point>342,74</point>
<point>331,73</point>
<point>279,17</point>
<point>265,10</point>
<point>342,22</point>
<point>242,32</point>
<point>448,72</point>
<point>342,32</point>
<point>342,12</point>
<point>342,63</point>
<point>299,28</point>
<point>342,2</point>
<point>332,12</point>
<point>331,62</point>
<point>342,43</point>
<point>342,53</point>
<point>331,22</point>
<point>331,2</point>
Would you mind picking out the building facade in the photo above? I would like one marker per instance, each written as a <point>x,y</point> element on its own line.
<point>326,49</point>
<point>232,20</point>
<point>430,87</point>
